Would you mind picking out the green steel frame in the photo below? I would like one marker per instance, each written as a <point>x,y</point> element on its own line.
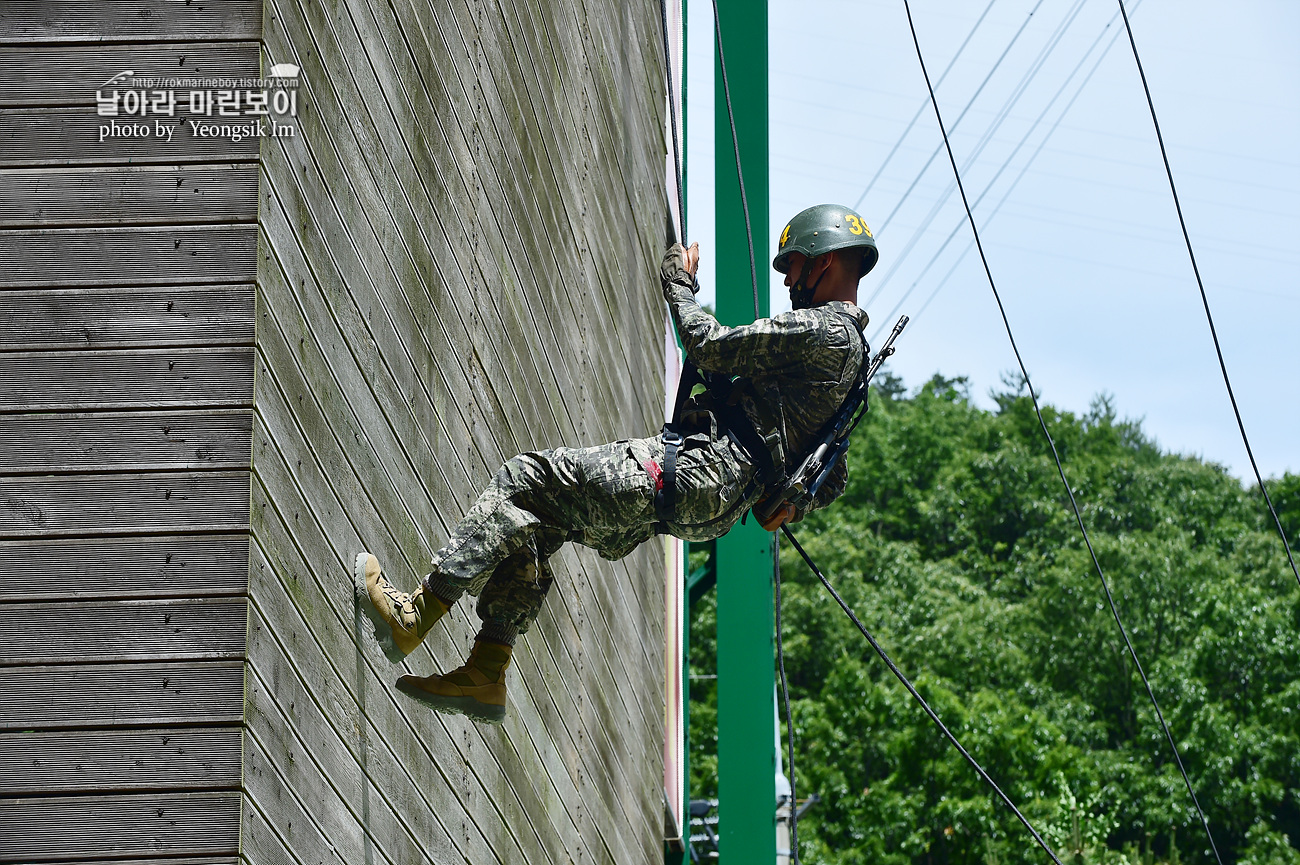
<point>743,562</point>
<point>745,556</point>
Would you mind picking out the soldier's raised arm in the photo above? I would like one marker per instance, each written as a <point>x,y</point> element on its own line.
<point>767,345</point>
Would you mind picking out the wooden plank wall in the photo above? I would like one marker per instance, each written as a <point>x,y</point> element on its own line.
<point>126,357</point>
<point>457,262</point>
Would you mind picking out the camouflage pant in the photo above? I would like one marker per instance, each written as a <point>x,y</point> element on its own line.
<point>601,497</point>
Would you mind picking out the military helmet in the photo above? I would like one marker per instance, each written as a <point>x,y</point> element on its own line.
<point>825,228</point>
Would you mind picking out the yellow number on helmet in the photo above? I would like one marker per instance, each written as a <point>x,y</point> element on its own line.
<point>785,235</point>
<point>855,224</point>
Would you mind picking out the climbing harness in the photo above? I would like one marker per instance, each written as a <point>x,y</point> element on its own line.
<point>730,419</point>
<point>829,448</point>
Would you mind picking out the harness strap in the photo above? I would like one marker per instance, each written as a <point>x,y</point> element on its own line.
<point>735,424</point>
<point>666,496</point>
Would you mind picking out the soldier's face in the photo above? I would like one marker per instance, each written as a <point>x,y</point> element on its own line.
<point>796,262</point>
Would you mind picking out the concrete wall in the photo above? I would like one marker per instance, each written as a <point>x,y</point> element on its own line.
<point>457,259</point>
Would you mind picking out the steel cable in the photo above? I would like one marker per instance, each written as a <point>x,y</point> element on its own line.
<point>1205,301</point>
<point>911,689</point>
<point>1019,176</point>
<point>1052,444</point>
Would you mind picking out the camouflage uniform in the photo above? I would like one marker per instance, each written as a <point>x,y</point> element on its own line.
<point>800,366</point>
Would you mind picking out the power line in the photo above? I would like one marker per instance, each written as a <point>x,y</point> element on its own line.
<point>1052,444</point>
<point>984,141</point>
<point>956,228</point>
<point>921,110</point>
<point>957,123</point>
<point>1205,301</point>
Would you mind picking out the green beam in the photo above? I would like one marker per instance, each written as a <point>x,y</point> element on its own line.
<point>746,707</point>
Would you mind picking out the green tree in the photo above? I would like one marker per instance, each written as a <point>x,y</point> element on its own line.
<point>955,544</point>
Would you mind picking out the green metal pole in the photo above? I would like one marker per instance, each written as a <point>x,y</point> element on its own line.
<point>746,758</point>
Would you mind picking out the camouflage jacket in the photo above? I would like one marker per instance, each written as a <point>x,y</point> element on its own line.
<point>799,367</point>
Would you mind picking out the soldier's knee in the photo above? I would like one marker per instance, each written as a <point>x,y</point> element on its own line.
<point>521,473</point>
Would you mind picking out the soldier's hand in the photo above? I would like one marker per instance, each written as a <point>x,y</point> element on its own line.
<point>679,266</point>
<point>779,517</point>
<point>691,258</point>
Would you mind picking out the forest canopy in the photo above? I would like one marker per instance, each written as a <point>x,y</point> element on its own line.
<point>956,546</point>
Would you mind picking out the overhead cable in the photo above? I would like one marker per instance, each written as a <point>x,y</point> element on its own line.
<point>919,111</point>
<point>974,96</point>
<point>1053,41</point>
<point>1052,444</point>
<point>1023,171</point>
<point>1205,301</point>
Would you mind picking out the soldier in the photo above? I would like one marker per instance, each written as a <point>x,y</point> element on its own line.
<point>769,389</point>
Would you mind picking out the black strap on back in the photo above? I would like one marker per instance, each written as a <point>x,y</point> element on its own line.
<point>726,394</point>
<point>666,495</point>
<point>734,423</point>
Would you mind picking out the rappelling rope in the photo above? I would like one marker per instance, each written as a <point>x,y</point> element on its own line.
<point>794,830</point>
<point>776,566</point>
<point>1223,367</point>
<point>911,689</point>
<point>1055,456</point>
<point>672,122</point>
<point>735,142</point>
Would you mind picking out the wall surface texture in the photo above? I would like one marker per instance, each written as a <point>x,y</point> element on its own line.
<point>457,262</point>
<point>127,272</point>
<point>227,366</point>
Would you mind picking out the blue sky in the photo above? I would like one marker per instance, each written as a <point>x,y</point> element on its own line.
<point>1074,210</point>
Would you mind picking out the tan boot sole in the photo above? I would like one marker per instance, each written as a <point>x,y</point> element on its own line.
<point>470,707</point>
<point>384,631</point>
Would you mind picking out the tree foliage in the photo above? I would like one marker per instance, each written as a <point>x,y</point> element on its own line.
<point>956,545</point>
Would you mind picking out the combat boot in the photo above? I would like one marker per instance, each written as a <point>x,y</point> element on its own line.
<point>476,689</point>
<point>401,619</point>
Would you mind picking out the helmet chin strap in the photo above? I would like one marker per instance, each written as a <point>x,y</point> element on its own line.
<point>801,294</point>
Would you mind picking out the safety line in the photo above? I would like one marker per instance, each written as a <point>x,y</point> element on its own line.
<point>898,674</point>
<point>789,719</point>
<point>1052,444</point>
<point>1205,301</point>
<point>735,141</point>
<point>672,122</point>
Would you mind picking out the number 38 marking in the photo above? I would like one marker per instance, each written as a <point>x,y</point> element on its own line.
<point>856,226</point>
